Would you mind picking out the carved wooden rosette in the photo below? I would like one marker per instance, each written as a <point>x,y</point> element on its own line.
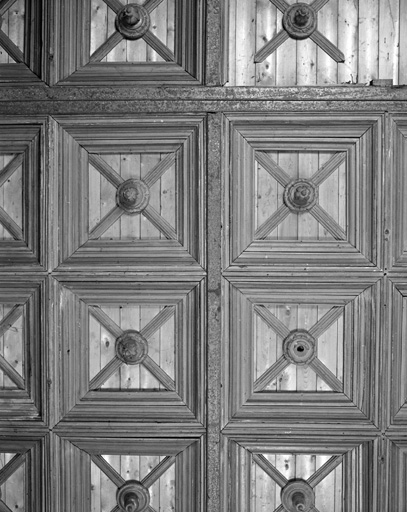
<point>300,21</point>
<point>298,496</point>
<point>299,347</point>
<point>132,196</point>
<point>133,497</point>
<point>300,195</point>
<point>133,21</point>
<point>131,347</point>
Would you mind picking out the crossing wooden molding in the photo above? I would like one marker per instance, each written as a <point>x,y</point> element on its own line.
<point>271,159</point>
<point>96,159</point>
<point>334,382</point>
<point>96,467</point>
<point>21,39</point>
<point>22,349</point>
<point>22,195</point>
<point>340,471</point>
<point>87,33</point>
<point>95,384</point>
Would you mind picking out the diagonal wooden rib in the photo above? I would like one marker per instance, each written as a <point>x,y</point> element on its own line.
<point>116,509</point>
<point>150,5</point>
<point>107,469</point>
<point>270,374</point>
<point>105,169</point>
<point>106,222</point>
<point>158,471</point>
<point>273,168</point>
<point>10,168</point>
<point>324,470</point>
<point>318,4</point>
<point>156,173</point>
<point>281,508</point>
<point>106,47</point>
<point>326,321</point>
<point>328,222</point>
<point>270,470</point>
<point>328,47</point>
<point>158,321</point>
<point>157,45</point>
<point>14,230</point>
<point>4,507</point>
<point>272,321</point>
<point>115,5</point>
<point>13,50</point>
<point>280,4</point>
<point>159,373</point>
<point>271,46</point>
<point>105,373</point>
<point>159,222</point>
<point>106,321</point>
<point>328,168</point>
<point>12,316</point>
<point>326,375</point>
<point>11,373</point>
<point>11,467</point>
<point>5,5</point>
<point>272,222</point>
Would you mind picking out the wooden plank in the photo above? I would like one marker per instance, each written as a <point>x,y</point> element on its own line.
<point>148,379</point>
<point>389,34</point>
<point>14,350</point>
<point>348,23</point>
<point>328,191</point>
<point>288,314</point>
<point>169,196</point>
<point>130,169</point>
<point>288,161</point>
<point>245,43</point>
<point>306,62</point>
<point>307,225</point>
<point>327,72</point>
<point>158,28</point>
<point>108,197</point>
<point>306,378</point>
<point>265,490</point>
<point>98,28</point>
<point>305,466</point>
<point>368,68</point>
<point>118,52</point>
<point>130,374</point>
<point>108,353</point>
<point>266,29</point>
<point>148,229</point>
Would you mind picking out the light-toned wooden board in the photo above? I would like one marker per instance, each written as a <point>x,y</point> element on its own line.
<point>108,198</point>
<point>402,79</point>
<point>266,29</point>
<point>268,197</point>
<point>12,493</point>
<point>288,161</point>
<point>148,162</point>
<point>288,314</point>
<point>167,489</point>
<point>147,464</point>
<point>306,62</point>
<point>231,67</point>
<point>13,197</point>
<point>159,28</point>
<point>286,60</point>
<point>108,489</point>
<point>263,488</point>
<point>130,169</point>
<point>147,380</point>
<point>4,160</point>
<point>325,490</point>
<point>107,351</point>
<point>171,24</point>
<point>16,29</point>
<point>308,164</point>
<point>286,464</point>
<point>305,466</point>
<point>328,196</point>
<point>168,196</point>
<point>119,52</point>
<point>95,496</point>
<point>306,378</point>
<point>98,32</point>
<point>389,50</point>
<point>245,42</point>
<point>368,68</point>
<point>13,350</point>
<point>327,68</point>
<point>348,21</point>
<point>130,374</point>
<point>327,348</point>
<point>264,346</point>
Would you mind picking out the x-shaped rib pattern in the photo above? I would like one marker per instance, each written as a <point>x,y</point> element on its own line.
<point>281,480</point>
<point>285,180</point>
<point>118,480</point>
<point>283,35</point>
<point>5,174</point>
<point>13,50</point>
<point>153,41</point>
<point>316,331</point>
<point>156,323</point>
<point>7,322</point>
<point>5,473</point>
<point>149,212</point>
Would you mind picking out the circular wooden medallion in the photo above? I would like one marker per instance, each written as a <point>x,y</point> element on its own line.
<point>131,347</point>
<point>300,195</point>
<point>299,347</point>
<point>133,497</point>
<point>297,496</point>
<point>300,21</point>
<point>132,196</point>
<point>133,21</point>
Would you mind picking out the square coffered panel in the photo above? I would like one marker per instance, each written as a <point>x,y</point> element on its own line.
<point>323,475</point>
<point>303,190</point>
<point>22,349</point>
<point>130,350</point>
<point>22,229</point>
<point>302,351</point>
<point>164,474</point>
<point>131,193</point>
<point>112,41</point>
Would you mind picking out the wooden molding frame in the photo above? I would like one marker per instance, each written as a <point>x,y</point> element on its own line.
<point>22,137</point>
<point>78,399</point>
<point>73,65</point>
<point>353,140</point>
<point>28,400</point>
<point>28,66</point>
<point>352,401</point>
<point>243,455</point>
<point>83,141</point>
<point>73,457</point>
